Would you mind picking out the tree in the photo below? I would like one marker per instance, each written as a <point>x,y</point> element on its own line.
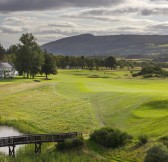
<point>12,49</point>
<point>82,62</point>
<point>90,63</point>
<point>10,54</point>
<point>2,52</point>
<point>29,56</point>
<point>49,66</point>
<point>110,62</point>
<point>121,63</point>
<point>37,60</point>
<point>9,58</point>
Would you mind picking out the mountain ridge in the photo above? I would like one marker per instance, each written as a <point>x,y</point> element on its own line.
<point>123,45</point>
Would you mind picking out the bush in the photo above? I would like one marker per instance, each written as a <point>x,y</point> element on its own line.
<point>152,71</point>
<point>165,143</point>
<point>147,75</point>
<point>97,67</point>
<point>164,140</point>
<point>71,144</point>
<point>157,153</point>
<point>134,74</point>
<point>108,137</point>
<point>143,139</point>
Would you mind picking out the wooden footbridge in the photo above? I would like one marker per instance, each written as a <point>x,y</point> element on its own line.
<point>36,139</point>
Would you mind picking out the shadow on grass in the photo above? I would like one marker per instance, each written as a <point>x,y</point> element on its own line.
<point>160,104</point>
<point>12,79</point>
<point>15,79</point>
<point>97,76</point>
<point>81,74</point>
<point>46,79</point>
<point>37,81</point>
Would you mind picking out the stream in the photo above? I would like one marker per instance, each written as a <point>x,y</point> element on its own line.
<point>6,131</point>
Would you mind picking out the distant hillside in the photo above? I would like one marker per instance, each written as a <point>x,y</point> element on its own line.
<point>123,45</point>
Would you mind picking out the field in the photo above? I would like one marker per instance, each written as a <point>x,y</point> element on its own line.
<point>80,100</point>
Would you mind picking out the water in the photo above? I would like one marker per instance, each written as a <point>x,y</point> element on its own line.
<point>6,131</point>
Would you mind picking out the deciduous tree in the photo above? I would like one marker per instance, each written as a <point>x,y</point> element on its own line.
<point>110,62</point>
<point>49,66</point>
<point>29,56</point>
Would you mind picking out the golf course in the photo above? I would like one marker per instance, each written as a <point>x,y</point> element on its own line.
<point>83,101</point>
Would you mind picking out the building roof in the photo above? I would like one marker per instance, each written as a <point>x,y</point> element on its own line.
<point>5,66</point>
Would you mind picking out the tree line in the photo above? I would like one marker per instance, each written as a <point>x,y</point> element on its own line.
<point>81,62</point>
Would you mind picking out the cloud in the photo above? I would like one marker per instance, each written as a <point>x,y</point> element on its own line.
<point>121,10</point>
<point>54,19</point>
<point>19,20</point>
<point>154,11</point>
<point>63,25</point>
<point>161,28</point>
<point>25,5</point>
<point>58,31</point>
<point>10,29</point>
<point>159,0</point>
<point>127,10</point>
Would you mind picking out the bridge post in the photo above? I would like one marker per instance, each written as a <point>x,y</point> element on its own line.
<point>38,147</point>
<point>12,151</point>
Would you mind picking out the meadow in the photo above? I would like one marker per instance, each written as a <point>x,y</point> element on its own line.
<point>81,100</point>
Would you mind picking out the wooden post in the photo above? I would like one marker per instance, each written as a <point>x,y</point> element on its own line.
<point>37,148</point>
<point>12,151</point>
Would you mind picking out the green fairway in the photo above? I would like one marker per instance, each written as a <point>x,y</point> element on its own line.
<point>80,100</point>
<point>85,100</point>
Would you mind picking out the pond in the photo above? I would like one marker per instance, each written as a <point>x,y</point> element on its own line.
<point>6,131</point>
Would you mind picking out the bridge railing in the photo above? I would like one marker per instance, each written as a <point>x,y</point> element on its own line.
<point>28,139</point>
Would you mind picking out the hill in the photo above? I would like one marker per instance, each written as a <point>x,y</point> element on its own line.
<point>122,45</point>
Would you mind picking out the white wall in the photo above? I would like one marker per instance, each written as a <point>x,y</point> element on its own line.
<point>1,74</point>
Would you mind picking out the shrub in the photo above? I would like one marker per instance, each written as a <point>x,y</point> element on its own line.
<point>134,74</point>
<point>147,75</point>
<point>143,139</point>
<point>165,143</point>
<point>71,144</point>
<point>97,67</point>
<point>157,153</point>
<point>164,140</point>
<point>152,71</point>
<point>108,137</point>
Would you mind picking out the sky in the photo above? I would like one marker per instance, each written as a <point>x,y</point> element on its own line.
<point>50,20</point>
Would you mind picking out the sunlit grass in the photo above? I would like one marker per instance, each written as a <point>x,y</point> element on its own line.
<point>81,100</point>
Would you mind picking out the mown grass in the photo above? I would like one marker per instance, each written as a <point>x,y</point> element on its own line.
<point>80,100</point>
<point>43,109</point>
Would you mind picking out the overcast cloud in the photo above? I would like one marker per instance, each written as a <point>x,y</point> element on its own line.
<point>49,20</point>
<point>25,5</point>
